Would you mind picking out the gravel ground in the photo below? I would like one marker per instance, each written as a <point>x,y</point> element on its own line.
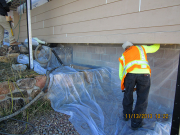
<point>51,123</point>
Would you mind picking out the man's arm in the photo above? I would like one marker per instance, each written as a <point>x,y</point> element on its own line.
<point>151,49</point>
<point>120,71</point>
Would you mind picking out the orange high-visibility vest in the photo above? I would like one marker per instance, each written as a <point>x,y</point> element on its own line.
<point>134,57</point>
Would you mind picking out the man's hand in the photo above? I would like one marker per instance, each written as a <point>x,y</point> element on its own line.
<point>8,19</point>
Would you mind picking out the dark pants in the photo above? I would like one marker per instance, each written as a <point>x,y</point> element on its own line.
<point>142,82</point>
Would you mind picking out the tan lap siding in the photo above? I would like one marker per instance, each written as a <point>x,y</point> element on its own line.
<point>114,21</point>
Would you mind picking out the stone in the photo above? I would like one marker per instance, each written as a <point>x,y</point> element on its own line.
<point>2,97</point>
<point>34,93</point>
<point>22,94</point>
<point>13,55</point>
<point>40,81</point>
<point>6,87</point>
<point>27,83</point>
<point>9,57</point>
<point>13,49</point>
<point>5,46</point>
<point>23,49</point>
<point>18,104</point>
<point>5,105</point>
<point>19,67</point>
<point>3,51</point>
<point>4,59</point>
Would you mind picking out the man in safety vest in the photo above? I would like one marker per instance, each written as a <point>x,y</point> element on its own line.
<point>134,70</point>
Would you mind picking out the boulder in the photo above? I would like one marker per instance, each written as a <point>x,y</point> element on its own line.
<point>2,97</point>
<point>5,88</point>
<point>41,81</point>
<point>27,83</point>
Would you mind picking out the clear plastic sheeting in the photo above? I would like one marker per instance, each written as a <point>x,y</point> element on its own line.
<point>93,99</point>
<point>23,59</point>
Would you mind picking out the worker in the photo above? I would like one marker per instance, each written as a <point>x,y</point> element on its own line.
<point>134,71</point>
<point>4,8</point>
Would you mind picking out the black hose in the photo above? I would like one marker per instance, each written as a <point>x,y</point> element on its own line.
<point>60,61</point>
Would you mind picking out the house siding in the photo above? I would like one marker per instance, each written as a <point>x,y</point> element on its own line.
<point>105,21</point>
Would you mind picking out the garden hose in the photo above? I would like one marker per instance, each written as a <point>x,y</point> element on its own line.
<point>42,62</point>
<point>50,55</point>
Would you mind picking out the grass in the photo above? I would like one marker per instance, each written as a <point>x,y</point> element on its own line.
<point>38,108</point>
<point>8,74</point>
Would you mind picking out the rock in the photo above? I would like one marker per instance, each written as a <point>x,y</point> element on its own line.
<point>4,105</point>
<point>13,55</point>
<point>2,97</point>
<point>27,83</point>
<point>5,46</point>
<point>4,59</point>
<point>34,93</point>
<point>41,81</point>
<point>5,88</point>
<point>3,51</point>
<point>22,94</point>
<point>17,103</point>
<point>19,67</point>
<point>9,57</point>
<point>13,49</point>
<point>23,49</point>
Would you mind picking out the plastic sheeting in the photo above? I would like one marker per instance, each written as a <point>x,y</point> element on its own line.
<point>93,99</point>
<point>23,59</point>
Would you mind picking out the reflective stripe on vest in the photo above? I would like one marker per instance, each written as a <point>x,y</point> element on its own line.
<point>122,57</point>
<point>142,61</point>
<point>132,63</point>
<point>142,52</point>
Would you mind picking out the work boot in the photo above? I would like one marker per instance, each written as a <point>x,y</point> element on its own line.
<point>136,127</point>
<point>125,118</point>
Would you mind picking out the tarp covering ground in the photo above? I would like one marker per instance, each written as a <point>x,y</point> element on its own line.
<point>93,99</point>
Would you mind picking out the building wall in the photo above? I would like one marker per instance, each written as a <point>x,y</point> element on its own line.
<point>163,63</point>
<point>105,21</point>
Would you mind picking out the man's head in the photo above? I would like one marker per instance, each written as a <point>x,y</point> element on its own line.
<point>126,45</point>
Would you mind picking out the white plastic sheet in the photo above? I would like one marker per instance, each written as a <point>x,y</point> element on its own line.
<point>93,99</point>
<point>23,59</point>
